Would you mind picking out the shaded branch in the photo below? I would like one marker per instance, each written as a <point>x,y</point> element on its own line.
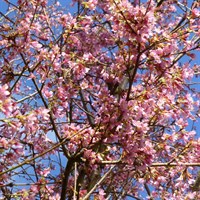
<point>89,117</point>
<point>159,3</point>
<point>148,190</point>
<point>196,185</point>
<point>65,179</point>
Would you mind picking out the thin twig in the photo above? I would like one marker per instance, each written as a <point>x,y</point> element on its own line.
<point>148,190</point>
<point>90,119</point>
<point>27,161</point>
<point>75,180</point>
<point>175,164</point>
<point>33,158</point>
<point>98,183</point>
<point>27,97</point>
<point>180,153</point>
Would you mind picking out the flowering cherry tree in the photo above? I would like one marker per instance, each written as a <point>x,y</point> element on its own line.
<point>100,103</point>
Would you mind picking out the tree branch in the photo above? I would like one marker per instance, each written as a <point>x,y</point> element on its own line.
<point>89,117</point>
<point>65,179</point>
<point>33,158</point>
<point>98,183</point>
<point>75,180</point>
<point>148,190</point>
<point>159,3</point>
<point>175,164</point>
<point>41,154</point>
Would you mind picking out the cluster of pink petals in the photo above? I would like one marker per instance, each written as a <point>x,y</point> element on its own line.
<point>104,88</point>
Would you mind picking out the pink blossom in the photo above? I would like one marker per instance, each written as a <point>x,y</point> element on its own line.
<point>101,194</point>
<point>44,113</point>
<point>47,93</point>
<point>4,93</point>
<point>105,87</point>
<point>195,13</point>
<point>92,4</point>
<point>45,172</point>
<point>36,45</point>
<point>3,143</point>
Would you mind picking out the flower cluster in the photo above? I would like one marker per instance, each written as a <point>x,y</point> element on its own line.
<point>100,103</point>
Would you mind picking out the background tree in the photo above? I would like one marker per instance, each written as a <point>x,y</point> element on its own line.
<point>100,104</point>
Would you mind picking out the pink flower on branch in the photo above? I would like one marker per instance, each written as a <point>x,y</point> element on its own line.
<point>98,104</point>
